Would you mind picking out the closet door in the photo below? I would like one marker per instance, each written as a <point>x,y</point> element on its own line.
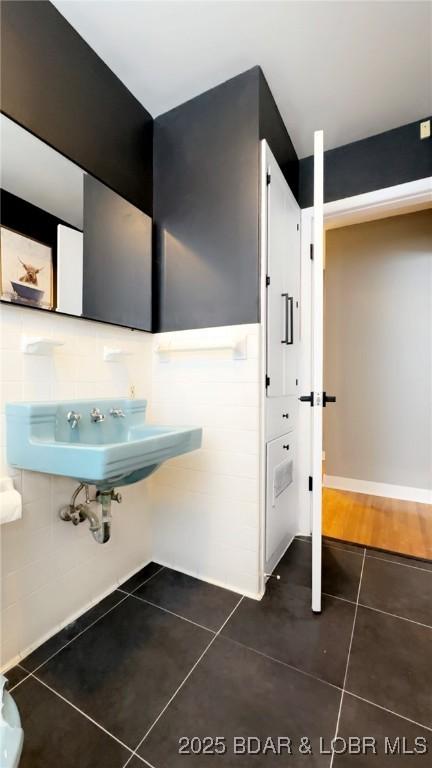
<point>281,221</point>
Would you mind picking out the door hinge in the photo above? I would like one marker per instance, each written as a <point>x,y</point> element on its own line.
<point>312,251</point>
<point>267,381</point>
<point>268,178</point>
<point>267,279</point>
<point>310,483</point>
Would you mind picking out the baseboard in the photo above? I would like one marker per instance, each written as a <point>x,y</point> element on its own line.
<point>370,488</point>
<point>215,582</point>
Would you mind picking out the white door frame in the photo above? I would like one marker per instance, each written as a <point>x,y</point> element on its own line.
<point>380,203</point>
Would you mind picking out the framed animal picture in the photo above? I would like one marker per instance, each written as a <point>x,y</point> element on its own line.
<point>26,270</point>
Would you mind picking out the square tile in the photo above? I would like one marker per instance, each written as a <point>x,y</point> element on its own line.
<point>402,559</point>
<point>340,569</point>
<point>55,734</point>
<point>123,669</point>
<point>283,626</point>
<point>358,718</point>
<point>390,587</point>
<point>140,577</point>
<point>390,665</point>
<point>191,598</point>
<point>341,544</point>
<point>68,633</point>
<point>15,676</point>
<point>234,692</point>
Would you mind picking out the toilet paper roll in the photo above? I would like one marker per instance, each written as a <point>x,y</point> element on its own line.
<point>10,502</point>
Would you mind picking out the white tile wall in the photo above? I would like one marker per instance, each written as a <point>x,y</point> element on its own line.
<point>199,513</point>
<point>206,504</point>
<point>51,571</point>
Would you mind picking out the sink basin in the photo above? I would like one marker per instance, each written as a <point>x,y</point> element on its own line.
<point>115,451</point>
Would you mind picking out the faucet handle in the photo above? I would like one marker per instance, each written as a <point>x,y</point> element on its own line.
<point>73,418</point>
<point>96,415</point>
<point>118,413</point>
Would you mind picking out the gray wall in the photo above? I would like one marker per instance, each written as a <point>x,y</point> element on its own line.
<point>378,336</point>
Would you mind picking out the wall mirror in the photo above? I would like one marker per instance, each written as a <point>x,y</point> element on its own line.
<point>68,243</point>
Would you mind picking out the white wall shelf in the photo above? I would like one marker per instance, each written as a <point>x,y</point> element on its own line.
<point>238,348</point>
<point>113,355</point>
<point>39,345</point>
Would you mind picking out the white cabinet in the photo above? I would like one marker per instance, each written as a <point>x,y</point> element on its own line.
<point>281,266</point>
<point>283,283</point>
<point>281,416</point>
<point>281,497</point>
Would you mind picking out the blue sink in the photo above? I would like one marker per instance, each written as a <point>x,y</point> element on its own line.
<point>117,450</point>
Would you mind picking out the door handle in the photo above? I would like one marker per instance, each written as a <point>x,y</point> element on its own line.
<point>289,319</point>
<point>307,398</point>
<point>328,399</point>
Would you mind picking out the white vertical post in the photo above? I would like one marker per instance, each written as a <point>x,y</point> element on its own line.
<point>317,366</point>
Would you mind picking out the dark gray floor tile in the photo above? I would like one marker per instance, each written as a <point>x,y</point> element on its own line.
<point>393,588</point>
<point>196,600</point>
<point>390,664</point>
<point>340,569</point>
<point>283,626</point>
<point>402,559</point>
<point>15,675</point>
<point>136,763</point>
<point>124,669</point>
<point>339,544</point>
<point>139,578</point>
<point>236,692</point>
<point>55,734</point>
<point>45,651</point>
<point>358,718</point>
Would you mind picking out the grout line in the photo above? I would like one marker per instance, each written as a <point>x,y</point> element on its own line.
<point>348,658</point>
<point>28,674</point>
<point>378,610</point>
<point>396,562</point>
<point>187,676</point>
<point>177,615</point>
<point>395,616</point>
<point>390,711</point>
<point>77,709</point>
<point>144,762</point>
<point>126,595</point>
<point>161,568</point>
<point>338,597</point>
<point>283,663</point>
<point>326,545</point>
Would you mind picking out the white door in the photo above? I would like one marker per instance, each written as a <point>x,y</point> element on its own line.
<point>282,222</point>
<point>317,365</point>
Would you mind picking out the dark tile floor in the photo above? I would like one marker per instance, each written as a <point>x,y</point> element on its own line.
<point>166,658</point>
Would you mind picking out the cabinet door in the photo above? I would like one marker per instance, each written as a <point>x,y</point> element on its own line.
<point>281,497</point>
<point>283,277</point>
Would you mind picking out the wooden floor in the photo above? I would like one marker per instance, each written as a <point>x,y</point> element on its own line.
<point>399,526</point>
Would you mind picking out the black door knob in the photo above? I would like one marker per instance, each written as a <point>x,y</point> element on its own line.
<point>328,399</point>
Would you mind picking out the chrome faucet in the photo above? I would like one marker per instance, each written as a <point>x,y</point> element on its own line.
<point>96,415</point>
<point>118,413</point>
<point>73,418</point>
